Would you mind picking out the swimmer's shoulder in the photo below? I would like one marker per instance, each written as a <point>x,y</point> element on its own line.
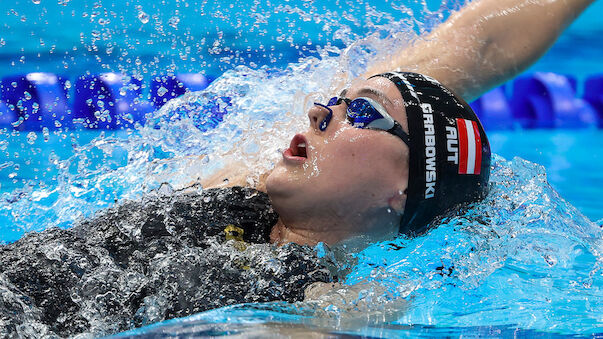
<point>185,216</point>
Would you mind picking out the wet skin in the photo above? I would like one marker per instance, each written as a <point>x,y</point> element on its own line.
<point>352,181</point>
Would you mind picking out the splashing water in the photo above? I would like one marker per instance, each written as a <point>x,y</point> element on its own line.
<point>522,257</point>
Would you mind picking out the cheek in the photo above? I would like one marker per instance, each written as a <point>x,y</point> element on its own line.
<point>355,146</point>
<point>353,155</point>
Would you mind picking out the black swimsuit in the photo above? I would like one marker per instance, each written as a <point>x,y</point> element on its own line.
<point>144,261</point>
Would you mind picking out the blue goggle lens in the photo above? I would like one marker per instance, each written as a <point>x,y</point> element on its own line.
<point>360,112</point>
<point>333,101</point>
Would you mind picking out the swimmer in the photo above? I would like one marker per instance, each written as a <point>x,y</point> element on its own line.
<point>390,154</point>
<point>398,149</point>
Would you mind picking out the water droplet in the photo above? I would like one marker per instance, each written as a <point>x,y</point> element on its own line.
<point>37,2</point>
<point>78,121</point>
<point>14,84</point>
<point>206,199</point>
<point>18,122</point>
<point>550,259</point>
<point>46,134</point>
<point>27,95</point>
<point>253,193</point>
<point>174,21</point>
<point>31,137</point>
<point>143,17</point>
<point>53,158</point>
<point>161,91</point>
<point>165,189</point>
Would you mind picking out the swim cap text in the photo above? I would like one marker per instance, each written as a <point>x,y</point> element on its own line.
<point>452,145</point>
<point>430,151</point>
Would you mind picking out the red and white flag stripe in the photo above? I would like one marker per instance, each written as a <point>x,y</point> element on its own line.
<point>470,147</point>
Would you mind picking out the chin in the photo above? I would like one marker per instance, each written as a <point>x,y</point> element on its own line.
<point>284,188</point>
<point>282,179</point>
<point>276,182</point>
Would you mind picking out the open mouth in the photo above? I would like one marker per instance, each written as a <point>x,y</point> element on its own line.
<point>298,150</point>
<point>298,147</point>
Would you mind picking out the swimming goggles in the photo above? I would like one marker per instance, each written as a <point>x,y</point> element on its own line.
<point>366,113</point>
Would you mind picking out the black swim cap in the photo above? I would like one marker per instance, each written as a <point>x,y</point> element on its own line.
<point>449,152</point>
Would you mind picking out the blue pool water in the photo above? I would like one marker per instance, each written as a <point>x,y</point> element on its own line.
<point>527,261</point>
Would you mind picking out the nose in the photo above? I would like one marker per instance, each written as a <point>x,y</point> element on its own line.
<point>320,116</point>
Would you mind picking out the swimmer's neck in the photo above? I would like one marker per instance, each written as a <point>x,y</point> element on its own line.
<point>281,234</point>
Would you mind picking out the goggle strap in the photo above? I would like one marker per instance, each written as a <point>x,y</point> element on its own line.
<point>347,101</point>
<point>399,132</point>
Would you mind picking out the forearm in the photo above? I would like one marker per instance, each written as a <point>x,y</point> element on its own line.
<point>487,42</point>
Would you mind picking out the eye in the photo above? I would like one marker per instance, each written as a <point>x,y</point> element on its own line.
<point>360,108</point>
<point>360,113</point>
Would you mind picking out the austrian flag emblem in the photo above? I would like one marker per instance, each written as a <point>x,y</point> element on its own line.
<point>470,147</point>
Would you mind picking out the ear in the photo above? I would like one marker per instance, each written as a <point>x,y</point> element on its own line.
<point>398,201</point>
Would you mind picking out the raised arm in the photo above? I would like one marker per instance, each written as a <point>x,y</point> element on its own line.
<point>486,43</point>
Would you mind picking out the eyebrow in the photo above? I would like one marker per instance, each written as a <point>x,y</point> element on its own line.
<point>372,91</point>
<point>375,92</point>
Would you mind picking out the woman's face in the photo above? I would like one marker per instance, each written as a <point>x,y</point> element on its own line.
<point>350,180</point>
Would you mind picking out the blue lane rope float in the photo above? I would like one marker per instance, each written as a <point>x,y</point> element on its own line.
<point>114,101</point>
<point>108,101</point>
<point>593,94</point>
<point>493,110</point>
<point>548,100</point>
<point>37,99</point>
<point>167,87</point>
